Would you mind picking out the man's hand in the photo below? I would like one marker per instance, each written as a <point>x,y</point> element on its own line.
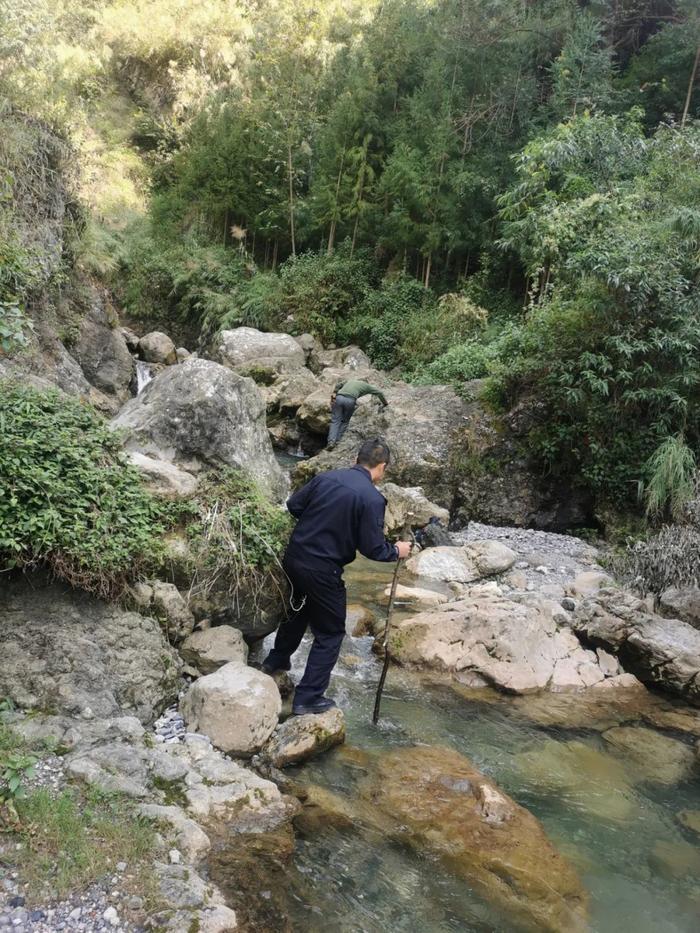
<point>404,549</point>
<point>332,401</point>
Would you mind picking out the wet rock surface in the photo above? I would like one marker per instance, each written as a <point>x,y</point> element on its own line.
<point>302,737</point>
<point>443,805</point>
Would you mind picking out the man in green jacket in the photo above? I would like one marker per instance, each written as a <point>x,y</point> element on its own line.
<point>343,402</point>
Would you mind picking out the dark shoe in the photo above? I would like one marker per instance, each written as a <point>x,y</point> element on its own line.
<point>321,705</point>
<point>270,670</point>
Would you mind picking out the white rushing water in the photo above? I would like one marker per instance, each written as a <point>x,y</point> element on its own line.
<point>143,375</point>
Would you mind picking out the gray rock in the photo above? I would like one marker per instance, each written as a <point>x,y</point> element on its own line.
<point>237,707</point>
<point>420,426</point>
<point>661,652</point>
<point>157,347</point>
<point>202,413</point>
<point>304,737</point>
<point>211,649</point>
<point>681,603</point>
<point>169,605</point>
<point>163,477</point>
<point>102,351</point>
<point>71,652</point>
<point>462,564</point>
<point>245,348</point>
<point>517,645</point>
<point>182,354</point>
<point>409,506</point>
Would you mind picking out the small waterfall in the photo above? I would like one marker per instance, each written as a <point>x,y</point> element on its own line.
<point>143,375</point>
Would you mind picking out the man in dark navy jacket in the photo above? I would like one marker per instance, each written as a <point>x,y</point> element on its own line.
<point>339,513</point>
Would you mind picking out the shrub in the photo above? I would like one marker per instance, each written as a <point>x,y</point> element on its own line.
<point>669,558</point>
<point>461,363</point>
<point>69,499</point>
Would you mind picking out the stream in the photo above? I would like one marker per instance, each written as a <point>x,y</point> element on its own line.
<point>640,867</point>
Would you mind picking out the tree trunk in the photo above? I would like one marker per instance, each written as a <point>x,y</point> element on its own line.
<point>427,270</point>
<point>688,96</point>
<point>274,257</point>
<point>291,198</point>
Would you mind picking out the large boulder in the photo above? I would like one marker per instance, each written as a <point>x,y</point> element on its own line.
<point>661,652</point>
<point>486,639</point>
<point>102,352</point>
<point>439,804</point>
<point>236,706</point>
<point>420,426</point>
<point>202,413</point>
<point>464,564</point>
<point>157,347</point>
<point>409,506</point>
<point>247,350</point>
<point>66,651</point>
<point>304,737</point>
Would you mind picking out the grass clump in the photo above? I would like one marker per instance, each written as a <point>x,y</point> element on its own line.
<point>69,842</point>
<point>69,499</point>
<point>238,538</point>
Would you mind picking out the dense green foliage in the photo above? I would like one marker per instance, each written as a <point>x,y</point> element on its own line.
<point>466,189</point>
<point>605,221</point>
<point>69,498</point>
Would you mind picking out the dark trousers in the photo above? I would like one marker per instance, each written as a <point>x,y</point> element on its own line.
<point>324,611</point>
<point>343,407</point>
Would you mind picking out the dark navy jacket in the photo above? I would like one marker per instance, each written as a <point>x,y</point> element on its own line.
<point>339,512</point>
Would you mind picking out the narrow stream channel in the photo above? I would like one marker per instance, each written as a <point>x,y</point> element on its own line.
<point>621,834</point>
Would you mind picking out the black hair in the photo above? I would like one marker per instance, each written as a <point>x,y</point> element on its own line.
<point>373,452</point>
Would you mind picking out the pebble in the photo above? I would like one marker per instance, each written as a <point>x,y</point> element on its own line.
<point>170,727</point>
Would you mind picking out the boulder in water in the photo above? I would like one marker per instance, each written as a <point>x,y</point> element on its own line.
<point>304,737</point>
<point>202,413</point>
<point>650,756</point>
<point>438,803</point>
<point>661,652</point>
<point>236,706</point>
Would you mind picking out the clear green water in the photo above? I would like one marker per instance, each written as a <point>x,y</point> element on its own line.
<point>610,828</point>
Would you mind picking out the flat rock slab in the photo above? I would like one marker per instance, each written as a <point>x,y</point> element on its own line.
<point>304,737</point>
<point>485,639</point>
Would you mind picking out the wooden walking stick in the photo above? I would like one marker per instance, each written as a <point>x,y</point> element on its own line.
<point>390,608</point>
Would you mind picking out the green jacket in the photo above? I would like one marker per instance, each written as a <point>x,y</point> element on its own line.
<point>356,388</point>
